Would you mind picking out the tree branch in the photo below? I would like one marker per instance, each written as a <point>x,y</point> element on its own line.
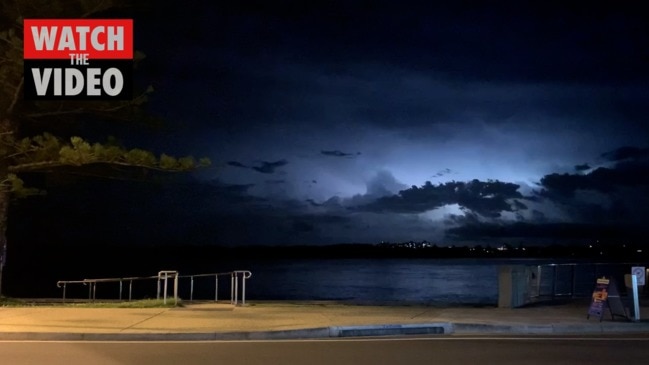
<point>16,154</point>
<point>58,112</point>
<point>97,8</point>
<point>14,101</point>
<point>85,110</point>
<point>44,165</point>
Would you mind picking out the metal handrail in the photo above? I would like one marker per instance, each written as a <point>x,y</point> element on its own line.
<point>93,285</point>
<point>216,283</point>
<point>235,276</point>
<point>234,284</point>
<point>164,275</point>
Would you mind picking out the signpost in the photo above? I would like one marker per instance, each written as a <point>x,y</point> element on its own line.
<point>637,279</point>
<point>639,272</point>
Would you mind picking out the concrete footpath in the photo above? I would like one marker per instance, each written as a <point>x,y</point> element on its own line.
<point>301,320</point>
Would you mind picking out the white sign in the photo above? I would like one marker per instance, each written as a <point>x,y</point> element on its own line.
<point>639,272</point>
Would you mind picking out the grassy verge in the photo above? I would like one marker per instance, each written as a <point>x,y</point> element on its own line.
<point>12,302</point>
<point>145,303</point>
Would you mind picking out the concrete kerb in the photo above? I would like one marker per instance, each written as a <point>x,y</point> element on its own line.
<point>392,330</point>
<point>442,328</point>
<point>550,329</point>
<point>306,333</point>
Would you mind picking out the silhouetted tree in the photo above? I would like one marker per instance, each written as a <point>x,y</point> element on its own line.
<point>38,136</point>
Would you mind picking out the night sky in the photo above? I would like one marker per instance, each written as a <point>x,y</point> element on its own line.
<point>363,121</point>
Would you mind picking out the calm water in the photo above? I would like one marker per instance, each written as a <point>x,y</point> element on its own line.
<point>425,281</point>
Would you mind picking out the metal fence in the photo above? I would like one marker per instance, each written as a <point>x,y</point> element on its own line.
<point>163,280</point>
<point>575,280</point>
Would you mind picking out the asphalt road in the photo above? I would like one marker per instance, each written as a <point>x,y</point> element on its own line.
<point>437,350</point>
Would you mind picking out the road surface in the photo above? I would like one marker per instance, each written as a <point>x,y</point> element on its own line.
<point>435,350</point>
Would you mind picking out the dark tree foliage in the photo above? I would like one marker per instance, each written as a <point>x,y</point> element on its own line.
<point>40,136</point>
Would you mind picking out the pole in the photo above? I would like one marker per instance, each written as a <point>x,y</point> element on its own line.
<point>243,289</point>
<point>636,301</point>
<point>164,301</point>
<point>554,281</point>
<point>191,289</point>
<point>236,288</point>
<point>232,288</point>
<point>176,289</point>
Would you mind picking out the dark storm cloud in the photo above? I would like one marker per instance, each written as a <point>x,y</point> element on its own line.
<point>443,172</point>
<point>237,164</point>
<point>582,167</point>
<point>313,203</point>
<point>602,179</point>
<point>383,184</point>
<point>488,199</point>
<point>626,153</point>
<point>233,188</point>
<point>519,205</point>
<point>269,167</point>
<point>265,167</point>
<point>617,194</point>
<point>461,220</point>
<point>538,216</point>
<point>337,153</point>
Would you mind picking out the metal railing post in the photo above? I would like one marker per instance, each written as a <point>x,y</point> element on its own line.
<point>232,288</point>
<point>538,280</point>
<point>176,289</point>
<point>554,281</point>
<point>130,290</point>
<point>246,275</point>
<point>574,281</point>
<point>191,289</point>
<point>164,301</point>
<point>236,288</point>
<point>216,288</point>
<point>164,276</point>
<point>120,290</point>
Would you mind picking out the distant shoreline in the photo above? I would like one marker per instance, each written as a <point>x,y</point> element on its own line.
<point>64,252</point>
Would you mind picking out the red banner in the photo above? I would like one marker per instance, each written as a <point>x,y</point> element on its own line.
<point>69,38</point>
